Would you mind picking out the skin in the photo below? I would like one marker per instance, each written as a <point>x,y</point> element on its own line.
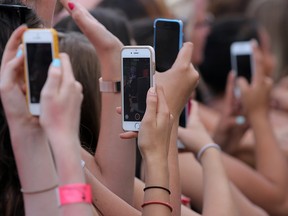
<point>29,141</point>
<point>255,184</point>
<point>116,162</point>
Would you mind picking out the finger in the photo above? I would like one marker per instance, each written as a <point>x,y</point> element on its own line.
<point>119,110</point>
<point>68,76</point>
<point>258,63</point>
<point>53,82</point>
<point>93,29</point>
<point>12,70</point>
<point>151,106</point>
<point>242,85</point>
<point>129,135</point>
<point>229,92</point>
<point>13,44</point>
<point>184,56</point>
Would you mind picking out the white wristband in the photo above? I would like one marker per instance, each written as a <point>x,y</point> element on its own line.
<point>205,147</point>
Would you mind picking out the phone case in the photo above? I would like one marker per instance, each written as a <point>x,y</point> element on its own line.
<point>55,55</point>
<point>135,125</point>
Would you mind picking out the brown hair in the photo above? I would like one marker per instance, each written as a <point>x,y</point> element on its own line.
<point>87,71</point>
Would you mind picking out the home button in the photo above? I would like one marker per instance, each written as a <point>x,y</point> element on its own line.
<point>137,126</point>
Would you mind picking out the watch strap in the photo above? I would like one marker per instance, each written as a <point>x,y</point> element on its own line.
<point>109,86</point>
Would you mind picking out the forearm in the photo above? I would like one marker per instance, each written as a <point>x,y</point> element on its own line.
<point>114,156</point>
<point>104,199</point>
<point>173,165</point>
<point>67,156</point>
<point>267,147</point>
<point>36,171</point>
<point>216,184</point>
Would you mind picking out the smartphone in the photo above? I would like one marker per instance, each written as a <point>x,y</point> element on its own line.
<point>40,48</point>
<point>137,63</point>
<point>168,40</point>
<point>242,59</point>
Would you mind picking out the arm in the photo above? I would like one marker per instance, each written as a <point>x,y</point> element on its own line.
<point>31,150</point>
<point>255,99</point>
<point>115,157</point>
<point>183,77</point>
<point>215,180</point>
<point>61,100</point>
<point>153,141</point>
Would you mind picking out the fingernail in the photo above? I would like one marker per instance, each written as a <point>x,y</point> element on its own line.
<point>56,63</point>
<point>71,6</point>
<point>152,90</point>
<point>19,53</point>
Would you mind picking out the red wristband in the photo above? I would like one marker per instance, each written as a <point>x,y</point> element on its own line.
<point>74,193</point>
<point>159,203</point>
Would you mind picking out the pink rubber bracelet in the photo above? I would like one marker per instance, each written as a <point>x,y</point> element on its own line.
<point>74,193</point>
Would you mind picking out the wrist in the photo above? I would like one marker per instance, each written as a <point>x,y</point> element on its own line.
<point>207,148</point>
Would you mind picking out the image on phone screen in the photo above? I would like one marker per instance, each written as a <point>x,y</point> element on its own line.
<point>166,43</point>
<point>39,57</point>
<point>136,83</point>
<point>244,68</point>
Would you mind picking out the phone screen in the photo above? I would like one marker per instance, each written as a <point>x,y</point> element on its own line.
<point>244,66</point>
<point>39,57</point>
<point>136,81</point>
<point>166,44</point>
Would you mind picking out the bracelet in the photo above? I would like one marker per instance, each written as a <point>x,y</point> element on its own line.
<point>74,193</point>
<point>204,148</point>
<point>109,86</point>
<point>157,187</point>
<point>38,191</point>
<point>159,203</point>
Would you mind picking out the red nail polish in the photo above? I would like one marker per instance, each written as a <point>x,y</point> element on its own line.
<point>71,5</point>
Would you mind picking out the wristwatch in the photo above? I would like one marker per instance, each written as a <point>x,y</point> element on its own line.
<point>109,86</point>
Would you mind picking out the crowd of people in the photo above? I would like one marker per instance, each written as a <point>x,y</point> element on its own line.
<point>75,158</point>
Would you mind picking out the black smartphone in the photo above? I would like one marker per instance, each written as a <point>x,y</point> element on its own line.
<point>168,40</point>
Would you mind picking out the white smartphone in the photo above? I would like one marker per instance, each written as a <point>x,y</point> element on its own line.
<point>40,48</point>
<point>242,61</point>
<point>137,63</point>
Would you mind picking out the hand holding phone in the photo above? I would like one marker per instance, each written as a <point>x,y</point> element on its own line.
<point>168,34</point>
<point>40,48</point>
<point>242,61</point>
<point>137,63</point>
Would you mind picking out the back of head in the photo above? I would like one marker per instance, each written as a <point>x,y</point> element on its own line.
<point>86,69</point>
<point>272,14</point>
<point>220,8</point>
<point>12,14</point>
<point>217,61</point>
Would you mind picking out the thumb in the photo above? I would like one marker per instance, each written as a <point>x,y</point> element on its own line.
<point>243,85</point>
<point>184,56</point>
